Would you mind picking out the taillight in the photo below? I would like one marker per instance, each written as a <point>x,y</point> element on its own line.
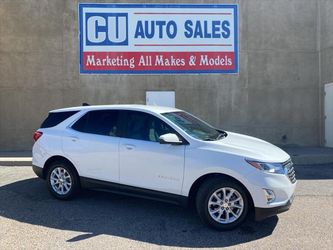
<point>37,135</point>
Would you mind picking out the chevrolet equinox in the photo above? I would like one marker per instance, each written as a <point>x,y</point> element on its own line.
<point>163,154</point>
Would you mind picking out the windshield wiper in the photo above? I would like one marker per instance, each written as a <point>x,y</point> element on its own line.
<point>221,135</point>
<point>208,139</point>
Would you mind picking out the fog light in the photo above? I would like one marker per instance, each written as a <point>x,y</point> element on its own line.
<point>270,196</point>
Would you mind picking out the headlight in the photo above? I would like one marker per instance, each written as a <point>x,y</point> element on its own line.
<point>276,168</point>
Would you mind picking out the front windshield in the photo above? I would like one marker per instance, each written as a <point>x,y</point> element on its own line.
<point>194,127</point>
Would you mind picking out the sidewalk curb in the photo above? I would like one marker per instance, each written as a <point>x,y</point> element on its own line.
<point>19,161</point>
<point>304,160</point>
<point>300,156</point>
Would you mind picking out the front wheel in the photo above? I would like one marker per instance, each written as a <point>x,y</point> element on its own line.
<point>62,180</point>
<point>222,203</point>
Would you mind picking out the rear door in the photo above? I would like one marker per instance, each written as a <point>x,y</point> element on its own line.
<point>92,143</point>
<point>144,162</point>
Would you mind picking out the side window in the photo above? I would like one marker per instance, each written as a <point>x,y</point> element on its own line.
<point>143,126</point>
<point>157,127</point>
<point>54,118</point>
<point>101,122</point>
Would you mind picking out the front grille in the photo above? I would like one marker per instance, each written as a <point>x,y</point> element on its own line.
<point>291,171</point>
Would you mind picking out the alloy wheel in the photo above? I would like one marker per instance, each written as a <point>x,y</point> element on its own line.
<point>225,205</point>
<point>61,181</point>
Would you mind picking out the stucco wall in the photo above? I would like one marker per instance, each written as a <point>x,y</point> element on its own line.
<point>276,93</point>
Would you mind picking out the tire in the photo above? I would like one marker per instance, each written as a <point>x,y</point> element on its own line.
<point>62,180</point>
<point>222,214</point>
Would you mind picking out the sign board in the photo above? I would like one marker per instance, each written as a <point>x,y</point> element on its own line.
<point>158,38</point>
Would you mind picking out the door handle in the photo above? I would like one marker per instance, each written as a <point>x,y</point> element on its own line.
<point>74,138</point>
<point>129,146</point>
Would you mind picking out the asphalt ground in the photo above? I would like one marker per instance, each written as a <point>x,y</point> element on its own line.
<point>31,219</point>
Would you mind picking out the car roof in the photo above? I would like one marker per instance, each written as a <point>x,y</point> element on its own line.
<point>136,107</point>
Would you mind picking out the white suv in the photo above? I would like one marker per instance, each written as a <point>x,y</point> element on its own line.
<point>164,154</point>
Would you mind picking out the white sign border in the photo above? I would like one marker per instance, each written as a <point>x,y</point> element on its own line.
<point>157,72</point>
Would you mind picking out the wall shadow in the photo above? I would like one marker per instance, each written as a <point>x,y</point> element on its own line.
<point>314,172</point>
<point>96,213</point>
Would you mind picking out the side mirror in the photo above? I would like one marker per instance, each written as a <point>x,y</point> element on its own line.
<point>170,139</point>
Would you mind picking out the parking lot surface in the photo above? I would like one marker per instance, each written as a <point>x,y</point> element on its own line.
<point>31,218</point>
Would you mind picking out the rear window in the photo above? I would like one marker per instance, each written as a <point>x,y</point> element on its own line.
<point>54,118</point>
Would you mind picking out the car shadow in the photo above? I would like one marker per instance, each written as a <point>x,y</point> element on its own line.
<point>95,213</point>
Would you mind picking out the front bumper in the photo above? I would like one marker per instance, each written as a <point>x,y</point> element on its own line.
<point>263,213</point>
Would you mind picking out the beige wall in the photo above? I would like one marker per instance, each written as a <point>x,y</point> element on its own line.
<point>277,91</point>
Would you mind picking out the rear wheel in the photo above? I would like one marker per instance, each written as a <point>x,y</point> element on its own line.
<point>62,180</point>
<point>222,203</point>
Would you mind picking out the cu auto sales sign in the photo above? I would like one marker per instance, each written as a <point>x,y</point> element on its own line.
<point>158,38</point>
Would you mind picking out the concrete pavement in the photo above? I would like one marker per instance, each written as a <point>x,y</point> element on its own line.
<point>31,218</point>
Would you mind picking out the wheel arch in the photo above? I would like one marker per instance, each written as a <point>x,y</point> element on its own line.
<point>198,182</point>
<point>54,158</point>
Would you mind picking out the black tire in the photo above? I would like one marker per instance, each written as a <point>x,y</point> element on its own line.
<point>205,192</point>
<point>74,179</point>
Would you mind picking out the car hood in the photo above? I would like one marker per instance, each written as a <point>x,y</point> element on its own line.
<point>250,148</point>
